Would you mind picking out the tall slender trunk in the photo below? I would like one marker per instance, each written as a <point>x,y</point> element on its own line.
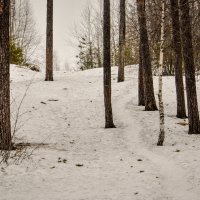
<point>188,55</point>
<point>150,102</point>
<point>113,41</point>
<point>12,18</point>
<point>160,92</point>
<point>181,111</point>
<point>107,66</point>
<point>49,42</point>
<point>122,40</point>
<point>99,57</point>
<point>113,60</point>
<point>141,98</point>
<point>5,125</point>
<point>98,47</point>
<point>91,56</point>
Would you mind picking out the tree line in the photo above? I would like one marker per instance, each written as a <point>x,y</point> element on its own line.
<point>150,41</point>
<point>183,47</point>
<point>165,34</point>
<point>24,38</point>
<point>90,38</point>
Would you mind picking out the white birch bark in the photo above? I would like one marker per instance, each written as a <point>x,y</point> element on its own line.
<point>161,63</point>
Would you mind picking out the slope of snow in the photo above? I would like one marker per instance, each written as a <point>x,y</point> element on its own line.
<point>71,155</point>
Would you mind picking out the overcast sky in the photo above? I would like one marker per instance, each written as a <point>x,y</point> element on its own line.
<point>66,14</point>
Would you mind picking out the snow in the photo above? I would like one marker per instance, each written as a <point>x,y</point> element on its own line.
<point>71,156</point>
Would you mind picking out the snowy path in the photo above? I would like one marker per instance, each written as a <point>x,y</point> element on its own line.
<point>80,159</point>
<point>174,181</point>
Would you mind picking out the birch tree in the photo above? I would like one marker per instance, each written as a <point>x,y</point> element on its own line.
<point>161,63</point>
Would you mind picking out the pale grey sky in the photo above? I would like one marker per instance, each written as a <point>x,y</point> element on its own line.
<point>66,13</point>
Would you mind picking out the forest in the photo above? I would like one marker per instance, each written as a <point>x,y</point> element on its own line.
<point>121,122</point>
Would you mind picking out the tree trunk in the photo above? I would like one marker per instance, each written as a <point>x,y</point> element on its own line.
<point>99,57</point>
<point>122,40</point>
<point>193,113</point>
<point>181,111</point>
<point>141,99</point>
<point>107,66</point>
<point>12,18</point>
<point>113,60</point>
<point>150,102</point>
<point>49,42</point>
<point>161,63</point>
<point>5,125</point>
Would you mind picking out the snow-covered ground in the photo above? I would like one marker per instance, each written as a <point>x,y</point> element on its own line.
<point>72,157</point>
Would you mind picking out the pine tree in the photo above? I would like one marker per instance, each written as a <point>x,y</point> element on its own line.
<point>188,55</point>
<point>49,42</point>
<point>141,98</point>
<point>107,66</point>
<point>5,125</point>
<point>181,111</point>
<point>150,102</point>
<point>122,40</point>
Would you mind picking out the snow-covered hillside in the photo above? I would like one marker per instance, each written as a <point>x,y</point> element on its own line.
<point>70,156</point>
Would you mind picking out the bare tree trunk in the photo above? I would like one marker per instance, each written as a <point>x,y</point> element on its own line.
<point>99,56</point>
<point>161,63</point>
<point>141,98</point>
<point>49,42</point>
<point>5,125</point>
<point>107,66</point>
<point>181,111</point>
<point>99,26</point>
<point>193,113</point>
<point>12,18</point>
<point>113,34</point>
<point>113,60</point>
<point>150,102</point>
<point>122,40</point>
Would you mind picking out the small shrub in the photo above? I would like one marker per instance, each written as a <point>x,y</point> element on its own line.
<point>16,54</point>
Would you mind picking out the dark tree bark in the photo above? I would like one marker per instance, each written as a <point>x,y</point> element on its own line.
<point>107,66</point>
<point>141,99</point>
<point>122,40</point>
<point>49,42</point>
<point>150,102</point>
<point>5,125</point>
<point>188,55</point>
<point>181,111</point>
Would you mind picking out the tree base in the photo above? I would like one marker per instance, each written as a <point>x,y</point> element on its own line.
<point>151,108</point>
<point>194,132</point>
<point>110,126</point>
<point>181,116</point>
<point>160,144</point>
<point>7,147</point>
<point>49,80</point>
<point>120,80</point>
